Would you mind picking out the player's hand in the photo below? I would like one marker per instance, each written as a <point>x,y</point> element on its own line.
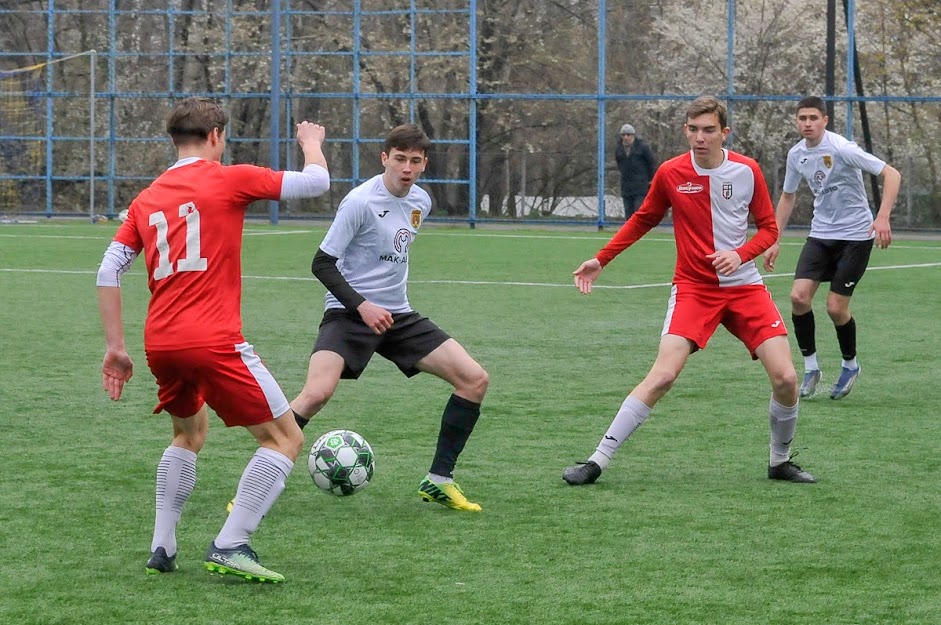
<point>376,317</point>
<point>883,232</point>
<point>725,261</point>
<point>771,255</point>
<point>310,132</point>
<point>116,369</point>
<point>586,274</point>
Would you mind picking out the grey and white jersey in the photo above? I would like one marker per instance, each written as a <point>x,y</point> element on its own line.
<point>371,235</point>
<point>834,171</point>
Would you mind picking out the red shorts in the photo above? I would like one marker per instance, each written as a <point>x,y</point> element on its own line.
<point>695,311</point>
<point>232,380</point>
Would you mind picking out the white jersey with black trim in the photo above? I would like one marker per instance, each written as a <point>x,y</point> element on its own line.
<point>834,172</point>
<point>371,235</point>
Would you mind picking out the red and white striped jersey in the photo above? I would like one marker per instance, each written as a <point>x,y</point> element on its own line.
<point>711,208</point>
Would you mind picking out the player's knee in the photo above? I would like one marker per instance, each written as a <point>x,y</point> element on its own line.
<point>784,383</point>
<point>313,398</point>
<point>838,313</point>
<point>474,386</point>
<point>800,302</point>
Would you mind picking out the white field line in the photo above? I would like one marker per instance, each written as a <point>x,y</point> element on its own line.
<point>567,285</point>
<point>432,233</point>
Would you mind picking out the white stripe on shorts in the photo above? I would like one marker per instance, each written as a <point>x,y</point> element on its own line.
<point>277,402</point>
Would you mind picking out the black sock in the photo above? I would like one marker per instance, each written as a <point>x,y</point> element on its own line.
<point>846,335</point>
<point>301,421</point>
<point>805,331</point>
<point>457,423</point>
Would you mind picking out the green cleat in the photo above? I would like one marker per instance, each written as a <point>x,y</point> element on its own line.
<point>240,561</point>
<point>449,494</point>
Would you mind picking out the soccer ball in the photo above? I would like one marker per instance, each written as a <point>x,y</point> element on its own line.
<point>341,463</point>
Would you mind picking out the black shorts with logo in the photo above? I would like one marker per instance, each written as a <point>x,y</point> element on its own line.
<point>841,263</point>
<point>411,338</point>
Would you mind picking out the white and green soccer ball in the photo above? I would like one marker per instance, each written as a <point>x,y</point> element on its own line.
<point>341,463</point>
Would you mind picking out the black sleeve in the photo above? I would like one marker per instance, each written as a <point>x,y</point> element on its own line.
<point>324,268</point>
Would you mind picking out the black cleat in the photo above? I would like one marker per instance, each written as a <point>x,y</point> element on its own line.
<point>582,473</point>
<point>790,472</point>
<point>160,562</point>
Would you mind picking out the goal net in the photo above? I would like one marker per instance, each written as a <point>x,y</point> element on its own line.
<point>21,143</point>
<point>47,162</point>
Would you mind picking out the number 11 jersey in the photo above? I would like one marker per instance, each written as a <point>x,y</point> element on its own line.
<point>188,223</point>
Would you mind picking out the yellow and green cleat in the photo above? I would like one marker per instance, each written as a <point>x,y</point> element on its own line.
<point>241,561</point>
<point>449,494</point>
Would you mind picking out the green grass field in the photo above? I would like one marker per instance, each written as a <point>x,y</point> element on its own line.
<point>684,527</point>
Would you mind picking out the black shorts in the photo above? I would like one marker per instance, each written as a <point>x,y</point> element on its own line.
<point>841,263</point>
<point>411,338</point>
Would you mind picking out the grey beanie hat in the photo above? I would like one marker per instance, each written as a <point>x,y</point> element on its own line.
<point>627,129</point>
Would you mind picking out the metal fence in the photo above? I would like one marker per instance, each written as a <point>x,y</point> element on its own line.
<point>86,137</point>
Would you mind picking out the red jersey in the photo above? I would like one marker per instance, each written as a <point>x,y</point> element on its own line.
<point>710,213</point>
<point>189,224</point>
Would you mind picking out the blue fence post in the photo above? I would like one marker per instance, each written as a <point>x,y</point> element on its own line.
<point>50,77</point>
<point>602,109</point>
<point>472,115</point>
<point>274,161</point>
<point>850,64</point>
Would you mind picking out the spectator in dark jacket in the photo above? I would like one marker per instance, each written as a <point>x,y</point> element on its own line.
<point>637,164</point>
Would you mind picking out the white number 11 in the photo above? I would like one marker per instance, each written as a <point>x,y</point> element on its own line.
<point>192,261</point>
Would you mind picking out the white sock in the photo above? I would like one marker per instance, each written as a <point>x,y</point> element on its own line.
<point>176,477</point>
<point>261,484</point>
<point>633,412</point>
<point>851,364</point>
<point>783,421</point>
<point>434,478</point>
<point>810,362</point>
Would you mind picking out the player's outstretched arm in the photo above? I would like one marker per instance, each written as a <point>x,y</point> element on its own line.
<point>586,274</point>
<point>311,136</point>
<point>314,179</point>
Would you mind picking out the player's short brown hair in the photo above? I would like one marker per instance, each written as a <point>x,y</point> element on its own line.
<point>191,120</point>
<point>407,137</point>
<point>706,104</point>
<point>812,102</point>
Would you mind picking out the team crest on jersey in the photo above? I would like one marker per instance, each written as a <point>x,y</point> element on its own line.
<point>689,187</point>
<point>828,161</point>
<point>416,218</point>
<point>727,190</point>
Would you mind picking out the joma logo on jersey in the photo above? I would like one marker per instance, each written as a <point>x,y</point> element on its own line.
<point>689,187</point>
<point>727,190</point>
